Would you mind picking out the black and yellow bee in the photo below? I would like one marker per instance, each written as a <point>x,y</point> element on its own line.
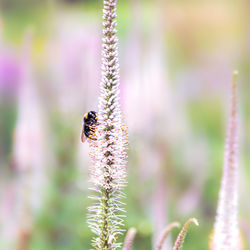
<point>89,126</point>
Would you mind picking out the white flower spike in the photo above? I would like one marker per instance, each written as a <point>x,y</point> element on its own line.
<point>108,151</point>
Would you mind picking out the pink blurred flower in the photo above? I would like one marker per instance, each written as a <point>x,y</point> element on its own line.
<point>226,231</point>
<point>73,60</point>
<point>29,149</point>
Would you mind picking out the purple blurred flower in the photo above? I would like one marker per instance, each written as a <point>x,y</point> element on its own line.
<point>9,72</point>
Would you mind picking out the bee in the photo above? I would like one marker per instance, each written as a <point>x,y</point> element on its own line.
<point>89,126</point>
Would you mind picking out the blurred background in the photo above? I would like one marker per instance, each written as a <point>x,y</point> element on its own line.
<point>176,60</point>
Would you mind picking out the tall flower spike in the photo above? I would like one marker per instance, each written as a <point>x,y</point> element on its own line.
<point>226,231</point>
<point>108,151</point>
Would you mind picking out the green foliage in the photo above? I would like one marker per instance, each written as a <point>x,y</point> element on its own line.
<point>62,222</point>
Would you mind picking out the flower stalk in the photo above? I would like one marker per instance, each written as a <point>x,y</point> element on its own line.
<point>226,231</point>
<point>180,239</point>
<point>108,151</point>
<point>129,239</point>
<point>165,234</point>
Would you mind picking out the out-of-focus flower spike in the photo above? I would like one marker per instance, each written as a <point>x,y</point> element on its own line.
<point>165,234</point>
<point>129,239</point>
<point>29,148</point>
<point>180,239</point>
<point>108,151</point>
<point>226,234</point>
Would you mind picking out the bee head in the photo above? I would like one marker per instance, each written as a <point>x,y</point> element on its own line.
<point>89,116</point>
<point>92,114</point>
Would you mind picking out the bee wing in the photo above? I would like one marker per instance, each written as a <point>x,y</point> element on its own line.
<point>83,137</point>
